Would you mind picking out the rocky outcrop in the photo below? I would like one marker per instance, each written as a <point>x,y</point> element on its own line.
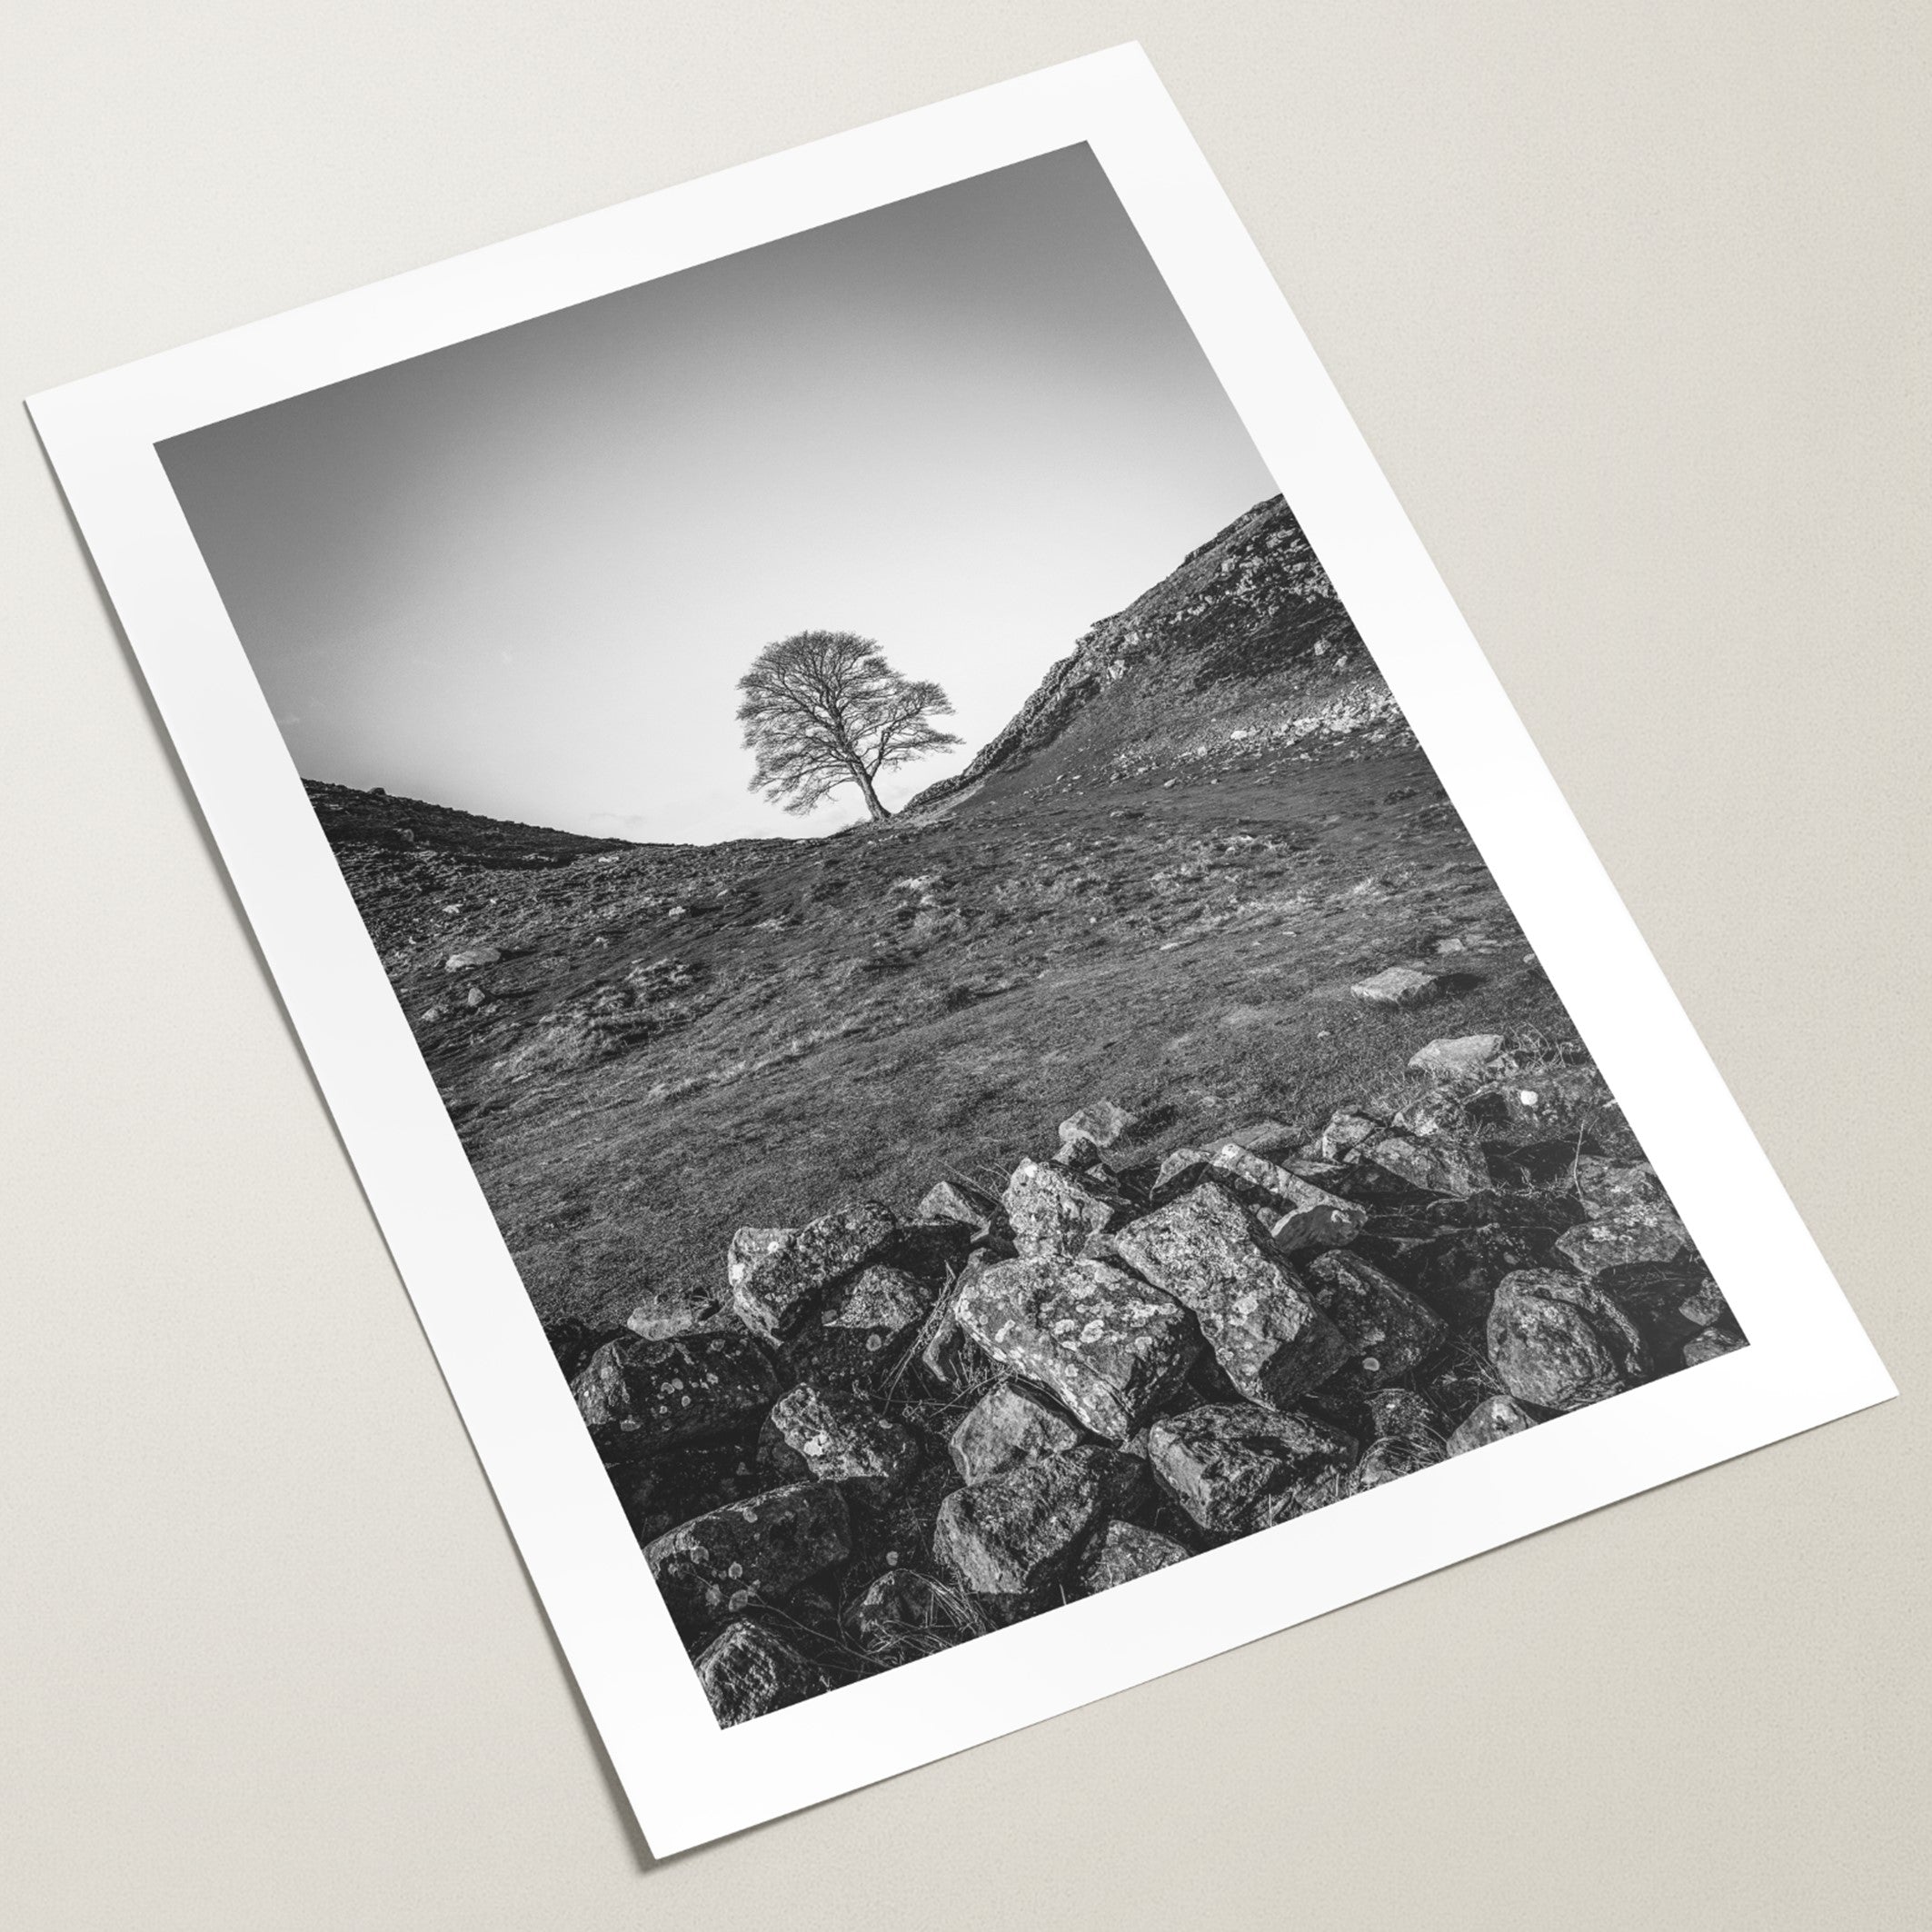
<point>1253,598</point>
<point>866,1439</point>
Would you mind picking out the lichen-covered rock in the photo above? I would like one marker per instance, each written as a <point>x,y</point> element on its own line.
<point>1436,1166</point>
<point>638,1397</point>
<point>749,1552</point>
<point>1185,1168</point>
<point>945,1201</point>
<point>1051,1213</point>
<point>1271,1341</point>
<point>1109,1349</point>
<point>1625,1238</point>
<point>750,1246</point>
<point>1122,1551</point>
<point>906,1614</point>
<point>1297,1214</point>
<point>1388,1332</point>
<point>1236,1469</point>
<point>1615,1187</point>
<point>1400,986</point>
<point>1269,1138</point>
<point>1561,1343</point>
<point>1461,1059</point>
<point>862,1334</point>
<point>672,1309</point>
<point>1093,1128</point>
<point>778,1287</point>
<point>1008,1425</point>
<point>747,1671</point>
<point>1492,1418</point>
<point>1709,1344</point>
<point>1012,1539</point>
<point>834,1436</point>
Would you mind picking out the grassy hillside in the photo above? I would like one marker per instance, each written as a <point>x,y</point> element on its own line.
<point>1155,887</point>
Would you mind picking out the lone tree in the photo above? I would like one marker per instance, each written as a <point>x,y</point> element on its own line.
<point>824,709</point>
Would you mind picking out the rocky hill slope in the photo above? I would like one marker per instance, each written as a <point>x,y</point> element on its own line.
<point>1157,882</point>
<point>1244,644</point>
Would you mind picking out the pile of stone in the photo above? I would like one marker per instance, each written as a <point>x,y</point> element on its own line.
<point>875,1437</point>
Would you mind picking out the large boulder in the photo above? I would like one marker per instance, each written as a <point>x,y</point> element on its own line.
<point>1236,1469</point>
<point>1297,1213</point>
<point>1387,1331</point>
<point>639,1397</point>
<point>1122,1551</point>
<point>778,1287</point>
<point>747,1671</point>
<point>1109,1349</point>
<point>1008,1425</point>
<point>833,1436</point>
<point>1270,1338</point>
<point>1011,1539</point>
<point>1051,1213</point>
<point>749,1552</point>
<point>1492,1418</point>
<point>670,1309</point>
<point>1561,1343</point>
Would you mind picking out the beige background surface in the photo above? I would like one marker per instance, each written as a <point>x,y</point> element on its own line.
<point>1630,300</point>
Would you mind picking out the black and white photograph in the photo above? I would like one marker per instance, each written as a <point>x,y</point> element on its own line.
<point>1000,1066</point>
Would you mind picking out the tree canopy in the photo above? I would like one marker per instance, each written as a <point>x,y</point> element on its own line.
<point>823,709</point>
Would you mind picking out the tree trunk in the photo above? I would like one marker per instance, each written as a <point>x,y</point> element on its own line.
<point>863,779</point>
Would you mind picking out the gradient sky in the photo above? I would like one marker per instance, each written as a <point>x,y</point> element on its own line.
<point>522,575</point>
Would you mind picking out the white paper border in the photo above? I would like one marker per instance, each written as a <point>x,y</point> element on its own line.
<point>689,1781</point>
